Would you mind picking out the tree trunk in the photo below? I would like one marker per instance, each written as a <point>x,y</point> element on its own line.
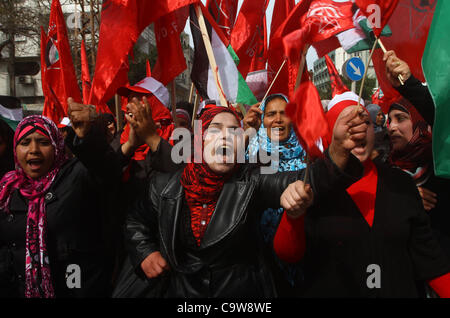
<point>11,70</point>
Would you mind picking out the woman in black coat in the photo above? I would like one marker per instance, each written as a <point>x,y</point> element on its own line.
<point>51,218</point>
<point>433,190</point>
<point>372,239</point>
<point>196,231</point>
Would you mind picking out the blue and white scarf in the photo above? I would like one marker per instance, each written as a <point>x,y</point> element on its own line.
<point>291,158</point>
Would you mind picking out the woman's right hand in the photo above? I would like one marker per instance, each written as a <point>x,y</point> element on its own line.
<point>349,131</point>
<point>139,116</point>
<point>253,117</point>
<point>154,265</point>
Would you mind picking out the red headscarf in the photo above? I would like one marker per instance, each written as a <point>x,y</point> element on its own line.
<point>201,185</point>
<point>363,192</point>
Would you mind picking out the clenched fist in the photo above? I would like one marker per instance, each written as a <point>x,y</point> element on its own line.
<point>81,117</point>
<point>154,265</point>
<point>296,199</point>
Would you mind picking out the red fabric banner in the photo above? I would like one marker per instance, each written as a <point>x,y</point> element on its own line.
<point>247,38</point>
<point>171,61</point>
<point>60,77</point>
<point>224,13</point>
<point>122,22</point>
<point>337,86</point>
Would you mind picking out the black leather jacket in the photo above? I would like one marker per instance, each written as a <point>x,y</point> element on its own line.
<point>229,262</point>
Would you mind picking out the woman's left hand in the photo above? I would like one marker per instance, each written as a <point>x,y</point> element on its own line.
<point>429,199</point>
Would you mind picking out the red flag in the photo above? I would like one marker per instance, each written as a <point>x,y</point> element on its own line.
<point>247,37</point>
<point>259,59</point>
<point>148,69</point>
<point>85,75</point>
<point>59,70</point>
<point>409,23</point>
<point>325,18</point>
<point>274,59</point>
<point>337,86</point>
<point>171,61</point>
<point>378,12</point>
<point>224,13</point>
<point>121,24</point>
<point>328,18</point>
<point>52,108</point>
<point>306,112</point>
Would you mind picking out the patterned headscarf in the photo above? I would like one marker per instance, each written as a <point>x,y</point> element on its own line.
<point>291,153</point>
<point>201,185</point>
<point>37,266</point>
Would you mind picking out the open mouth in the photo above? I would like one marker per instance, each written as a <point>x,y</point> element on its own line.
<point>278,130</point>
<point>35,164</point>
<point>224,153</point>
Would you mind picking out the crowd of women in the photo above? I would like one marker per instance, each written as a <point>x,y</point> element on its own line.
<point>137,223</point>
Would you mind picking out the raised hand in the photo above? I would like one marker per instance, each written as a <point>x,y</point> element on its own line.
<point>81,117</point>
<point>139,116</point>
<point>395,67</point>
<point>296,199</point>
<point>253,117</point>
<point>350,130</point>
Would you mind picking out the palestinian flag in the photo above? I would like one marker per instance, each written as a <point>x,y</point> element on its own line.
<point>234,86</point>
<point>361,37</point>
<point>436,68</point>
<point>11,111</point>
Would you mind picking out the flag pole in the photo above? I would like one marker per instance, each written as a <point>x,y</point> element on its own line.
<point>400,77</point>
<point>194,112</point>
<point>365,73</point>
<point>297,84</point>
<point>191,93</point>
<point>174,102</point>
<point>210,53</point>
<point>116,99</point>
<point>274,79</point>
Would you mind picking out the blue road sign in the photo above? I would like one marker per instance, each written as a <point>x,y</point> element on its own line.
<point>354,69</point>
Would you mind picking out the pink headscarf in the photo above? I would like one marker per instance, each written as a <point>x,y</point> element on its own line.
<point>37,266</point>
